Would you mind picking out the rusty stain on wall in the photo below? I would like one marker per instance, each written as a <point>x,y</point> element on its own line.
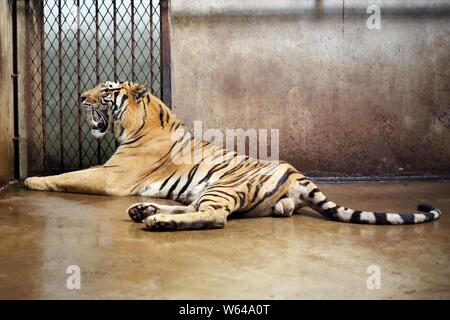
<point>373,102</point>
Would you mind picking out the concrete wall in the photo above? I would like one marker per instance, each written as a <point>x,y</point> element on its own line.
<point>6,95</point>
<point>347,100</point>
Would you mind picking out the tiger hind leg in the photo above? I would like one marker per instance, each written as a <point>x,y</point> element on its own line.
<point>138,212</point>
<point>284,207</point>
<point>291,201</point>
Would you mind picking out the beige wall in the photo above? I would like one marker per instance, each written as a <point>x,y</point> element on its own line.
<point>347,100</point>
<point>6,95</point>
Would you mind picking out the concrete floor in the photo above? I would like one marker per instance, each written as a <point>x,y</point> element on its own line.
<point>305,256</point>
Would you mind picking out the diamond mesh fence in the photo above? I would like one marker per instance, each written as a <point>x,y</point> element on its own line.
<point>71,46</point>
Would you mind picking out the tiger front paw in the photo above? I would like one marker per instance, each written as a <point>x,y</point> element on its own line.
<point>140,211</point>
<point>35,183</point>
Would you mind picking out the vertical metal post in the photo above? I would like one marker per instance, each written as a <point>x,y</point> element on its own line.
<point>152,78</point>
<point>15,91</point>
<point>27,76</point>
<point>115,47</point>
<point>97,67</point>
<point>80,156</point>
<point>166,93</point>
<point>115,39</point>
<point>133,44</point>
<point>97,60</point>
<point>42,56</point>
<point>97,53</point>
<point>60,86</point>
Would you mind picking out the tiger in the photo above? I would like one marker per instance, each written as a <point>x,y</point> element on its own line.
<point>154,158</point>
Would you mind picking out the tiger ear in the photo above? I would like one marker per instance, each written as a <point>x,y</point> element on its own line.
<point>138,90</point>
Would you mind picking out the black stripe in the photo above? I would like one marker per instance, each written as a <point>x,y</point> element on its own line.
<point>204,199</point>
<point>224,193</point>
<point>189,180</point>
<point>157,168</point>
<point>241,196</point>
<point>165,181</point>
<point>172,188</point>
<point>282,197</point>
<point>116,94</point>
<point>428,216</point>
<point>381,218</point>
<point>313,191</point>
<point>185,143</point>
<point>236,168</point>
<point>255,194</point>
<point>267,175</point>
<point>161,115</point>
<point>331,213</point>
<point>170,150</point>
<point>355,217</point>
<point>236,177</point>
<point>121,130</point>
<point>362,221</point>
<point>214,169</point>
<point>249,174</point>
<point>425,207</point>
<point>237,181</point>
<point>132,141</point>
<point>321,203</point>
<point>209,196</point>
<point>132,147</point>
<point>143,120</point>
<point>167,117</point>
<point>407,218</point>
<point>281,182</point>
<point>124,98</point>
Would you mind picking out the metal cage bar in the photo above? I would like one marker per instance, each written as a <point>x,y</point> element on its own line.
<point>72,45</point>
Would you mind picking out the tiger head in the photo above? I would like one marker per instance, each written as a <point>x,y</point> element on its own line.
<point>106,104</point>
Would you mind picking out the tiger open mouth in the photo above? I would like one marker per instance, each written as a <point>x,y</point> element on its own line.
<point>98,119</point>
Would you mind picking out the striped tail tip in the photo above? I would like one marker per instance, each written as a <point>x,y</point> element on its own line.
<point>427,208</point>
<point>428,213</point>
<point>338,213</point>
<point>332,211</point>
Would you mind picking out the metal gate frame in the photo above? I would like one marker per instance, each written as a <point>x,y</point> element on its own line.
<point>34,76</point>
